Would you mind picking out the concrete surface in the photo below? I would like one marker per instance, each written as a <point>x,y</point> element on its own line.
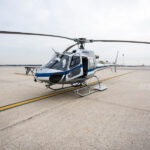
<point>115,119</point>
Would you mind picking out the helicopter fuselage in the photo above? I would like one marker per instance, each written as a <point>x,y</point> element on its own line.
<point>69,68</point>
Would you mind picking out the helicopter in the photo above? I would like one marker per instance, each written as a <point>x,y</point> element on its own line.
<point>72,67</point>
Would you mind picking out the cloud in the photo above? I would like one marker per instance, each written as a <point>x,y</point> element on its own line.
<point>99,19</point>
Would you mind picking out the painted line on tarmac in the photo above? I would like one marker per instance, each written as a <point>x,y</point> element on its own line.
<point>9,106</point>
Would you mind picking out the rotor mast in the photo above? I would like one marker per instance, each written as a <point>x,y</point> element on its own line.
<point>81,42</point>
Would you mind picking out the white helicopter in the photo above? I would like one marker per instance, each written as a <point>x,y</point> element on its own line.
<point>72,67</point>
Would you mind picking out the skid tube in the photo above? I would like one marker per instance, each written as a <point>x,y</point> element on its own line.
<point>91,88</point>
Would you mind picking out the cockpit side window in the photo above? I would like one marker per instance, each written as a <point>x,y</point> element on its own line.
<point>75,61</point>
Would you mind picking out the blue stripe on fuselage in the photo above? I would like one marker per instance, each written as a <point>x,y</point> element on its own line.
<point>100,67</point>
<point>49,74</point>
<point>65,72</point>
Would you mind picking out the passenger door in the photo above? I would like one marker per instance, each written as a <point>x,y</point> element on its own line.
<point>75,68</point>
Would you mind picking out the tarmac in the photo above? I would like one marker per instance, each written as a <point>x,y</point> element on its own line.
<point>115,119</point>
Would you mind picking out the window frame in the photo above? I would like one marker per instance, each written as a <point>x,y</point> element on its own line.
<point>76,64</point>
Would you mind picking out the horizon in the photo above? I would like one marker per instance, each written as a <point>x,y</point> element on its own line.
<point>97,19</point>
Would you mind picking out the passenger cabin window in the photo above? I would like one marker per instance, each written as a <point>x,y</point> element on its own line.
<point>75,61</point>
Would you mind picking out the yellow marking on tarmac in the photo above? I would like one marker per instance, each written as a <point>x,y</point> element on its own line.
<point>111,77</point>
<point>54,94</point>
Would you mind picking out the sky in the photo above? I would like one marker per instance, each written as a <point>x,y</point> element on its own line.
<point>93,19</point>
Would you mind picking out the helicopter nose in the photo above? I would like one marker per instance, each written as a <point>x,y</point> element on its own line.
<point>51,75</point>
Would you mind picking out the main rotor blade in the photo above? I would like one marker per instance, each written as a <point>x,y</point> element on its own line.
<point>37,34</point>
<point>75,40</point>
<point>121,41</point>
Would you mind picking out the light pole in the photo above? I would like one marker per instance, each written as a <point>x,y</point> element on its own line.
<point>123,59</point>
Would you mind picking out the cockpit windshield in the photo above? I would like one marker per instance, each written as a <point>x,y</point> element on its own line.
<point>59,62</point>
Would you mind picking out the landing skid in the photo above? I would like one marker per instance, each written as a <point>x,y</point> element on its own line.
<point>90,88</point>
<point>57,89</point>
<point>81,87</point>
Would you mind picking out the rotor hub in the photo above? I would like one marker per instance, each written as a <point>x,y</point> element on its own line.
<point>81,42</point>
